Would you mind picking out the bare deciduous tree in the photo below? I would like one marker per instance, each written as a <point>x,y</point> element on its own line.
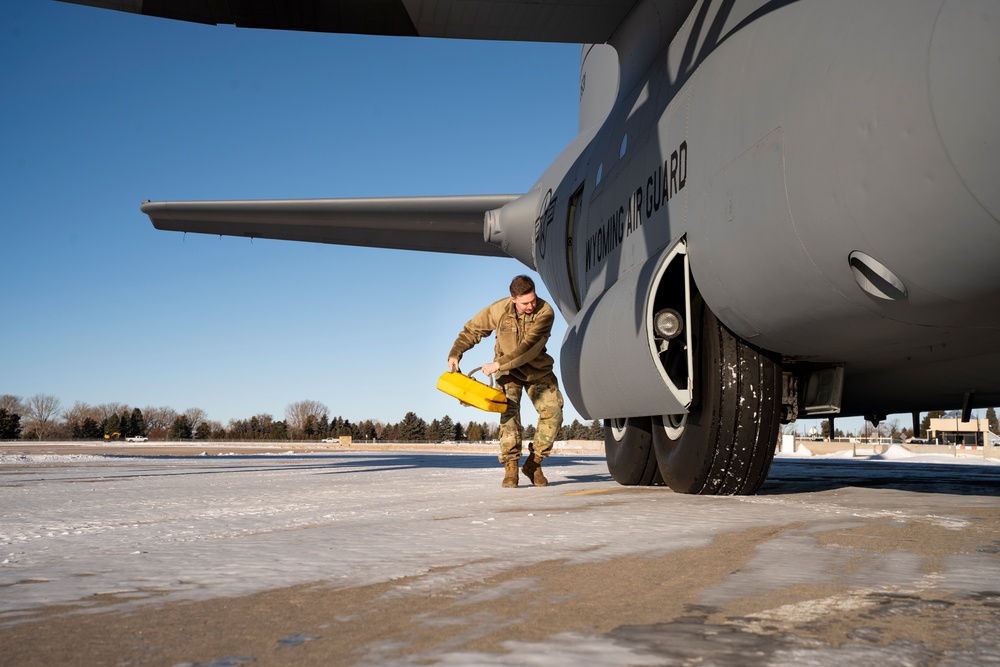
<point>158,421</point>
<point>40,416</point>
<point>12,404</point>
<point>297,415</point>
<point>196,416</point>
<point>75,417</point>
<point>107,409</point>
<point>81,411</point>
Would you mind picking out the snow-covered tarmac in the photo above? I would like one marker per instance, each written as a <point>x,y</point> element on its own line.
<point>843,556</point>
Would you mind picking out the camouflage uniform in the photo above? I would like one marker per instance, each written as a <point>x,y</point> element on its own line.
<point>524,364</point>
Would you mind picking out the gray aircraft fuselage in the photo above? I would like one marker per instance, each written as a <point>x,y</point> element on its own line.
<point>832,168</point>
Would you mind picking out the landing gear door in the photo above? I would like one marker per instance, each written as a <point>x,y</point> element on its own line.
<point>670,294</point>
<point>612,365</point>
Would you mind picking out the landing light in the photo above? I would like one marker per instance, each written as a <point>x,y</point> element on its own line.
<point>668,323</point>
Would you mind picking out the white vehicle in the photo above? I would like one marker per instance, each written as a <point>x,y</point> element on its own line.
<point>137,438</point>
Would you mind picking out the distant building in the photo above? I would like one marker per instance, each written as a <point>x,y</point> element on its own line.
<point>953,431</point>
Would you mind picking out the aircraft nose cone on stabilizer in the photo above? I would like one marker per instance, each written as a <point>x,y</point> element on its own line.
<point>964,83</point>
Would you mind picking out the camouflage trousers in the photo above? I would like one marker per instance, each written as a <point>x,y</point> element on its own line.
<point>548,401</point>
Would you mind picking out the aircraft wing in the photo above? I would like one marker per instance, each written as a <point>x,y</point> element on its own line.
<point>571,21</point>
<point>437,224</point>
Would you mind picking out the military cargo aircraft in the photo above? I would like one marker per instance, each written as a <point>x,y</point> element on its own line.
<point>772,209</point>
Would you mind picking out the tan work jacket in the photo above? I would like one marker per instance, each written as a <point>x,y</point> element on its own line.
<point>520,348</point>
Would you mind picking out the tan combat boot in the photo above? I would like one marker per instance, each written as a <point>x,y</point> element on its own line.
<point>510,474</point>
<point>533,469</point>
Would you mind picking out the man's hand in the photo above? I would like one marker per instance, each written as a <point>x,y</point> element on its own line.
<point>490,368</point>
<point>453,364</point>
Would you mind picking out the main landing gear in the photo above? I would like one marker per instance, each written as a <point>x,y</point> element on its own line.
<point>725,443</point>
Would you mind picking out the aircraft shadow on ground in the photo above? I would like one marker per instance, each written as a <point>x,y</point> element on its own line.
<point>351,463</point>
<point>806,476</point>
<point>787,476</point>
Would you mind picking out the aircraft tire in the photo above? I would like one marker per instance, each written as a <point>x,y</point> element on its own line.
<point>628,446</point>
<point>726,442</point>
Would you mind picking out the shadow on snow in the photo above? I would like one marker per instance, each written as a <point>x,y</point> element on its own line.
<point>790,476</point>
<point>787,476</point>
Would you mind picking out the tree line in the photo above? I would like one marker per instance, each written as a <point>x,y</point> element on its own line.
<point>41,417</point>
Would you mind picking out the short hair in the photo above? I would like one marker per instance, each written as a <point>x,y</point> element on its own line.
<point>521,285</point>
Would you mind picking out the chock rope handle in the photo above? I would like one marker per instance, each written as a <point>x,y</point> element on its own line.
<point>492,382</point>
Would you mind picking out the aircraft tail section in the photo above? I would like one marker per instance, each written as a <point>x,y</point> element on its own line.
<point>434,224</point>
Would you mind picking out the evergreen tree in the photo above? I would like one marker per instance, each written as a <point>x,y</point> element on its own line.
<point>991,418</point>
<point>413,428</point>
<point>181,428</point>
<point>311,426</point>
<point>10,425</point>
<point>366,430</point>
<point>277,431</point>
<point>474,433</point>
<point>260,427</point>
<point>447,429</point>
<point>137,424</point>
<point>434,432</point>
<point>577,431</point>
<point>90,429</point>
<point>596,430</point>
<point>113,426</point>
<point>392,433</point>
<point>125,424</point>
<point>459,431</point>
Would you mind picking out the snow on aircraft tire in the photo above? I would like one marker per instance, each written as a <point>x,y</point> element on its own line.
<point>628,446</point>
<point>725,444</point>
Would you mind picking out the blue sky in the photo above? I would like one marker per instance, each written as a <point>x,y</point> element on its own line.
<point>104,109</point>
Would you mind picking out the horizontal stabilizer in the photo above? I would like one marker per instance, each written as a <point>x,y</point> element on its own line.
<point>434,224</point>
